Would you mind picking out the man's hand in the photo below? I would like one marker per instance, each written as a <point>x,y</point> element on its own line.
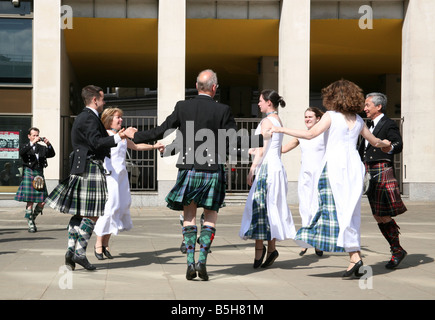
<point>129,132</point>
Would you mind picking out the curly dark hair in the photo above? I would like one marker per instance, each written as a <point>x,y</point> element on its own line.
<point>343,96</point>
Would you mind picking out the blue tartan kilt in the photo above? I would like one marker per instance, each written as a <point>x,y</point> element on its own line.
<point>205,188</point>
<point>323,231</point>
<point>26,192</point>
<point>84,194</point>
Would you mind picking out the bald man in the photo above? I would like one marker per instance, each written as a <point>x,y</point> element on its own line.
<point>204,128</point>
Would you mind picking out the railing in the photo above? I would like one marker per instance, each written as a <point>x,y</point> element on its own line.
<point>142,165</point>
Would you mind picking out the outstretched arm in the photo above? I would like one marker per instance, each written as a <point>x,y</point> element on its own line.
<point>290,146</point>
<point>317,129</point>
<point>376,142</point>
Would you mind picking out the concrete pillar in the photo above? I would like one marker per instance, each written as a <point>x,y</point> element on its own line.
<point>294,78</point>
<point>418,94</point>
<point>171,77</point>
<point>47,79</point>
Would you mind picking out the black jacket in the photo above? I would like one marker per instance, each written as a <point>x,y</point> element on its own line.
<point>28,155</point>
<point>385,129</point>
<point>206,131</point>
<point>89,138</point>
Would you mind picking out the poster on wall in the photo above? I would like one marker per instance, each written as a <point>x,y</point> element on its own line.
<point>9,144</point>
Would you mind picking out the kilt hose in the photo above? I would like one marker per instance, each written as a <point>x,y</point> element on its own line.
<point>385,200</point>
<point>83,196</point>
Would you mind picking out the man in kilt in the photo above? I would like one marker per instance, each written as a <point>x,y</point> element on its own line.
<point>34,156</point>
<point>200,121</point>
<point>384,196</point>
<point>84,193</point>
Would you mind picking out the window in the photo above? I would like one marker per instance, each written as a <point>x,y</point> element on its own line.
<point>13,133</point>
<point>15,51</point>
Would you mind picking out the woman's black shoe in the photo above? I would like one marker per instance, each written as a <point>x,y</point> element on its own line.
<point>202,271</point>
<point>354,270</point>
<point>258,262</point>
<point>191,272</point>
<point>303,251</point>
<point>99,255</point>
<point>271,259</point>
<point>107,253</point>
<point>319,252</point>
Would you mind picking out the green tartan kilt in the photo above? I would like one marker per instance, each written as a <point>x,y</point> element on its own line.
<point>259,228</point>
<point>26,192</point>
<point>205,188</point>
<point>322,233</point>
<point>84,194</point>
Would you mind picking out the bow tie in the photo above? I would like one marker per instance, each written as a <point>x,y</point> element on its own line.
<point>370,124</point>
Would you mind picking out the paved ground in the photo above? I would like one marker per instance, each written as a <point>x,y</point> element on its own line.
<point>148,264</point>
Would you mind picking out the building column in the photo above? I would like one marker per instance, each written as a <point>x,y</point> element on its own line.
<point>170,78</point>
<point>47,79</point>
<point>418,83</point>
<point>294,78</point>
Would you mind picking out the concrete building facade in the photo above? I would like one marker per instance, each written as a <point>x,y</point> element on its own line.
<point>294,46</point>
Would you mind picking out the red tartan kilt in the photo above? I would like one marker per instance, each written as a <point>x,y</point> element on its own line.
<point>385,199</point>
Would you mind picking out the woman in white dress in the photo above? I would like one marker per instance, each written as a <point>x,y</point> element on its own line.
<point>312,152</point>
<point>117,209</point>
<point>266,216</point>
<point>336,225</point>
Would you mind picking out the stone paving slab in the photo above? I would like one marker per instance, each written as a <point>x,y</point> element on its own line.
<point>149,266</point>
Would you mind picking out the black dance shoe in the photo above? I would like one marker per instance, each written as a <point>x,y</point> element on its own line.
<point>98,255</point>
<point>191,272</point>
<point>83,261</point>
<point>69,261</point>
<point>319,252</point>
<point>303,251</point>
<point>107,253</point>
<point>271,259</point>
<point>202,271</point>
<point>258,262</point>
<point>354,270</point>
<point>396,259</point>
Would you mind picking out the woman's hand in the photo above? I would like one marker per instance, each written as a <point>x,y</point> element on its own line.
<point>159,146</point>
<point>383,144</point>
<point>250,177</point>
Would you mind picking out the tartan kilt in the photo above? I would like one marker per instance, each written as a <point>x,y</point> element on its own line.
<point>84,194</point>
<point>260,227</point>
<point>322,233</point>
<point>26,192</point>
<point>205,188</point>
<point>384,198</point>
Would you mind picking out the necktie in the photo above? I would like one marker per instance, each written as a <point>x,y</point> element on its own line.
<point>370,124</point>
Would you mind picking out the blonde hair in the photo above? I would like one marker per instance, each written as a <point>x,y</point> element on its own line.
<point>108,114</point>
